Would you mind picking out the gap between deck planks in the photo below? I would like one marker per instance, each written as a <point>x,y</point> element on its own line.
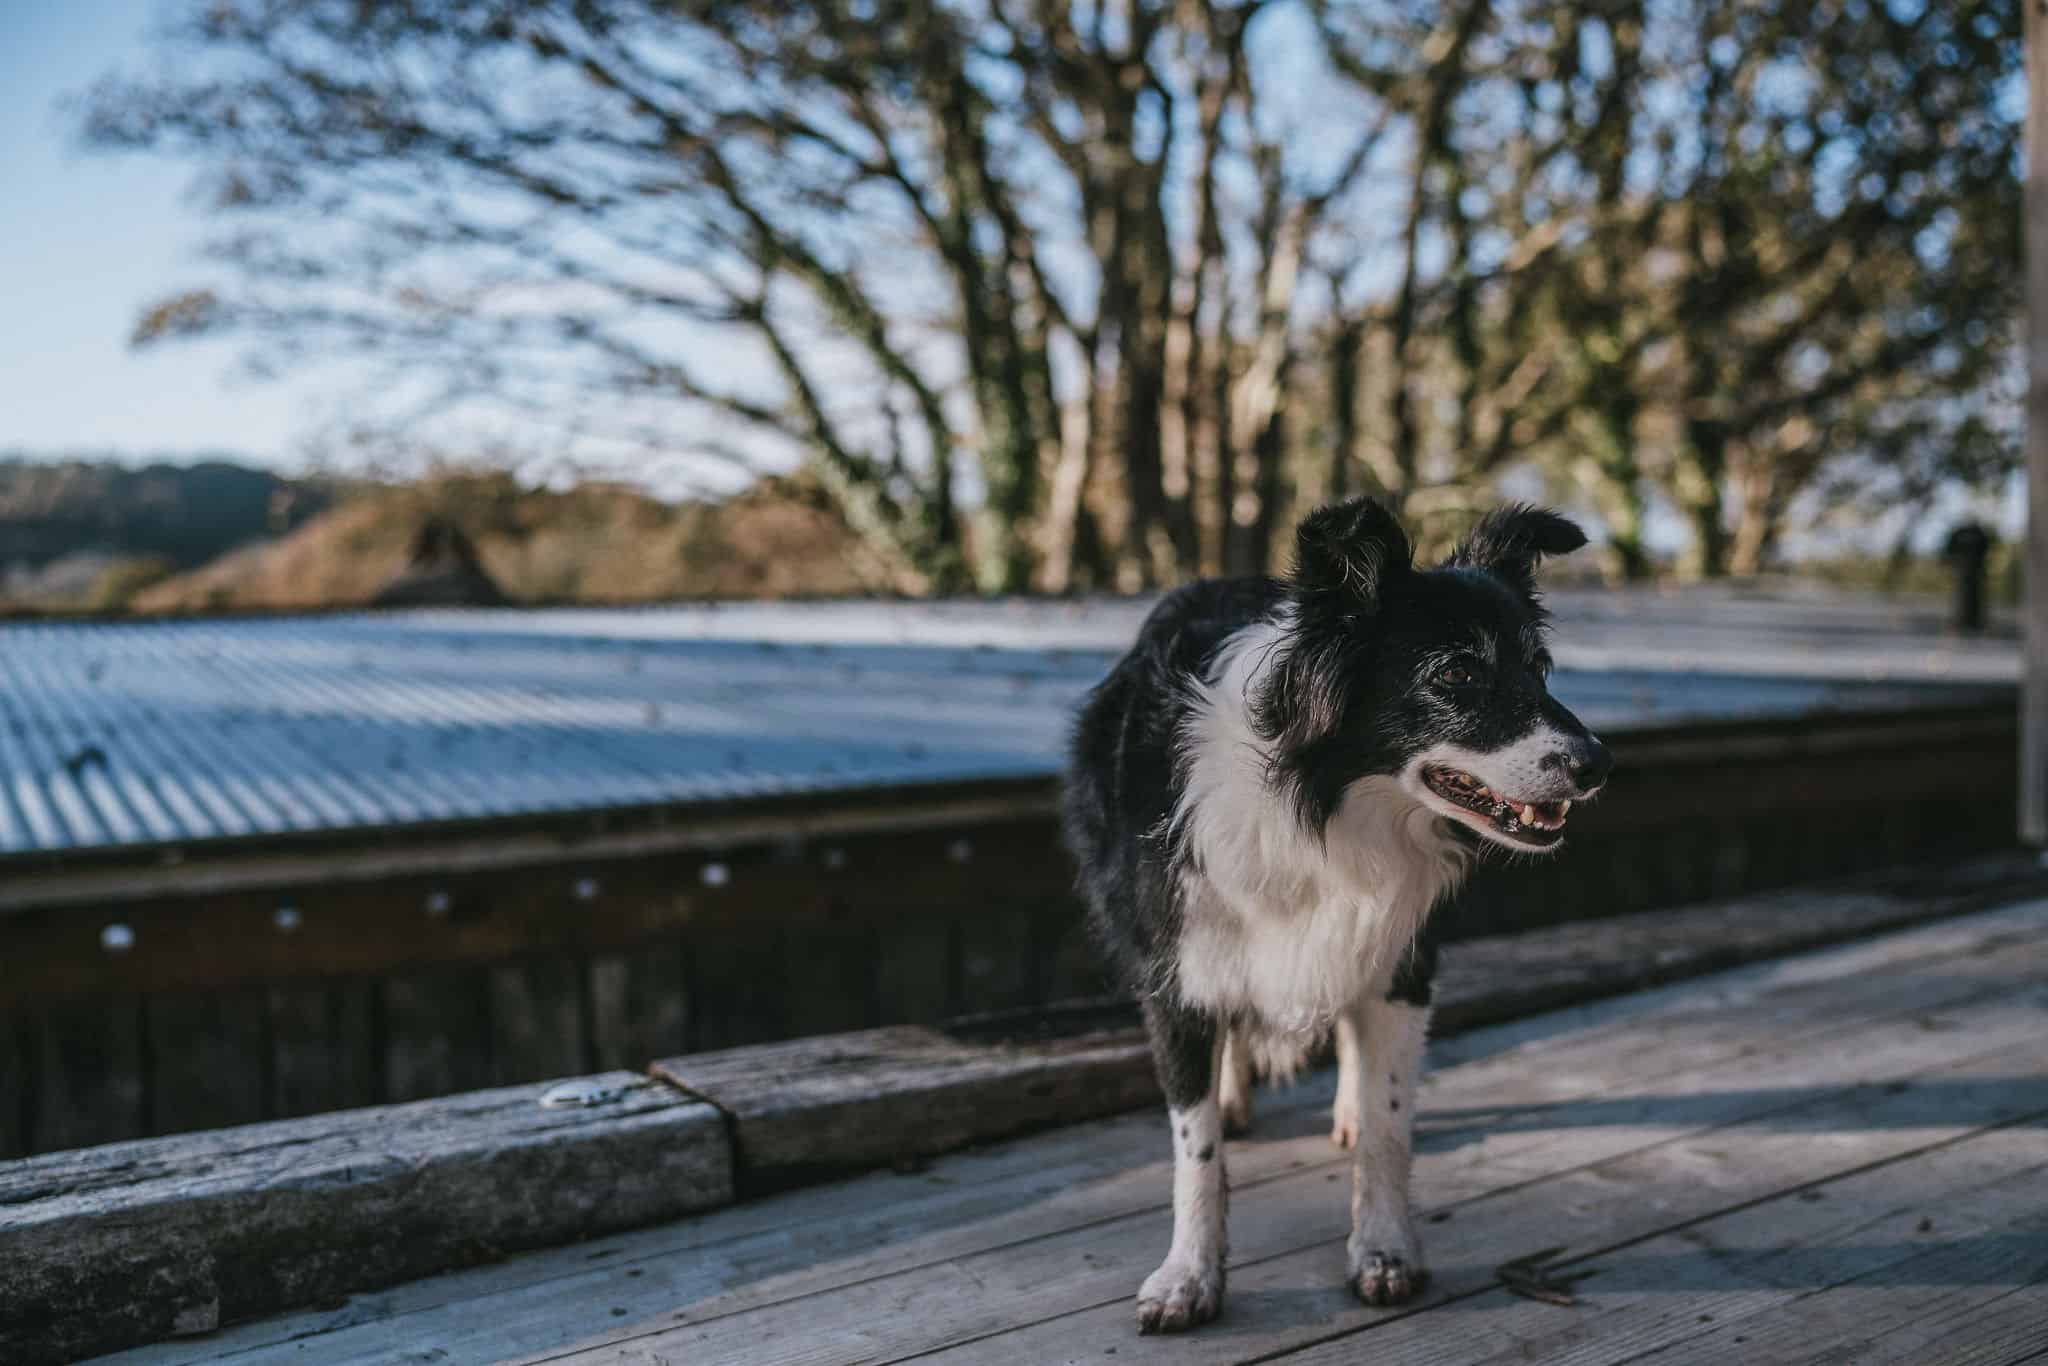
<point>1041,1192</point>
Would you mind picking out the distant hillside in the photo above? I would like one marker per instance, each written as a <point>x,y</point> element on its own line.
<point>595,543</point>
<point>185,515</point>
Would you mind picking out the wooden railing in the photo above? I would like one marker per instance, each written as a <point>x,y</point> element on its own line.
<point>271,980</point>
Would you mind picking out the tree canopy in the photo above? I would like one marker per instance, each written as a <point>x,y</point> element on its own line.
<point>1060,294</point>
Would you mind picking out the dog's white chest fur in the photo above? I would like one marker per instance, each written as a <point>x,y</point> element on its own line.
<point>1277,925</point>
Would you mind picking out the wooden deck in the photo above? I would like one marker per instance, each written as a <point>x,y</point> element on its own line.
<point>1841,1156</point>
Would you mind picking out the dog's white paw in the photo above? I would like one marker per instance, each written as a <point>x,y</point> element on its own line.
<point>1383,1278</point>
<point>1385,1263</point>
<point>1178,1296</point>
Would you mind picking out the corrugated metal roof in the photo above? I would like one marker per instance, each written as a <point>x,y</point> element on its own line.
<point>178,732</point>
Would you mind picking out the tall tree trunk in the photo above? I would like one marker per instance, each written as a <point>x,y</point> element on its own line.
<point>1345,454</point>
<point>1060,530</point>
<point>1755,519</point>
<point>1706,466</point>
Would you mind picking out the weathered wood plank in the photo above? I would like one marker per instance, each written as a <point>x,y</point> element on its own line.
<point>325,1049</point>
<point>537,1301</point>
<point>1067,1271</point>
<point>1977,1299</point>
<point>640,1004</point>
<point>128,1243</point>
<point>437,1033</point>
<point>996,957</point>
<point>829,976</point>
<point>1502,976</point>
<point>1070,965</point>
<point>1938,1282</point>
<point>209,1060</point>
<point>537,1021</point>
<point>89,1070</point>
<point>1997,1325</point>
<point>915,960</point>
<point>1293,1298</point>
<point>14,1087</point>
<point>847,1101</point>
<point>817,1240</point>
<point>727,1007</point>
<point>1706,1285</point>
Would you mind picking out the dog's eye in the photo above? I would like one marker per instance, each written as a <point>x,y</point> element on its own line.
<point>1454,676</point>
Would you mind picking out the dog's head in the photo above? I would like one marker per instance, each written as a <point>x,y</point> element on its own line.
<point>1437,678</point>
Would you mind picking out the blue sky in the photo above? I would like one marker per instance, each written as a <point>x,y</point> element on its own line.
<point>85,240</point>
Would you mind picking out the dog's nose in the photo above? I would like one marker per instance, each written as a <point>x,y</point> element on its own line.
<point>1585,761</point>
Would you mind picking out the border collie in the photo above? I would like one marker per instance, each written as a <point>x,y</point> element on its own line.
<point>1266,798</point>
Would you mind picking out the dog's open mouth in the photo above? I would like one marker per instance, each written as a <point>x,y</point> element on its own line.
<point>1537,824</point>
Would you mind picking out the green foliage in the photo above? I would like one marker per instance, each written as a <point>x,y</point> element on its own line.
<point>123,580</point>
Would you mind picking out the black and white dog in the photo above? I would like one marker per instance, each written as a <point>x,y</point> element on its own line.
<point>1268,795</point>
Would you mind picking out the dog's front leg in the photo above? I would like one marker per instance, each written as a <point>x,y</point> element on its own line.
<point>1350,1081</point>
<point>1187,1289</point>
<point>1234,1084</point>
<point>1384,1258</point>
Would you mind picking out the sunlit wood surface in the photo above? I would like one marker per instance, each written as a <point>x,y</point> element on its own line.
<point>1842,1157</point>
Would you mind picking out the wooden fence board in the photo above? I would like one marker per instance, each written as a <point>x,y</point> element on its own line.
<point>537,1021</point>
<point>14,1088</point>
<point>326,1047</point>
<point>211,1060</point>
<point>112,1246</point>
<point>734,988</point>
<point>89,1070</point>
<point>437,1033</point>
<point>639,1004</point>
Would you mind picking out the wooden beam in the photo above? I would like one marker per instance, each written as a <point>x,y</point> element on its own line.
<point>103,1248</point>
<point>2034,707</point>
<point>816,1107</point>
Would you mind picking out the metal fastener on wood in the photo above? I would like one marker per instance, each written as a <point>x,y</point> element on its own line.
<point>585,1092</point>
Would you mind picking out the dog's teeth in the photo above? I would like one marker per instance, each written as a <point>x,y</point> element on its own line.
<point>1528,813</point>
<point>1564,808</point>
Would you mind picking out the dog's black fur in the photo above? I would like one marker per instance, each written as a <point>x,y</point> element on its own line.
<point>1375,664</point>
<point>1350,695</point>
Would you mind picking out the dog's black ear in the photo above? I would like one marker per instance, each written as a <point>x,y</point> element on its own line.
<point>1510,541</point>
<point>1346,557</point>
<point>1348,553</point>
